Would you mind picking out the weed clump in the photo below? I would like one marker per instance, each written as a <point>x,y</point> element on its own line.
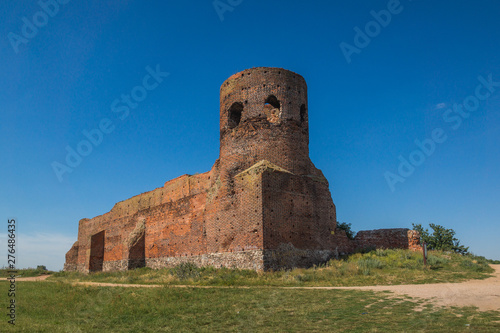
<point>186,270</point>
<point>436,262</point>
<point>473,265</point>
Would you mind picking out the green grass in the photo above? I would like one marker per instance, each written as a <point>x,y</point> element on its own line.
<point>27,272</point>
<point>491,261</point>
<point>61,307</point>
<point>58,306</point>
<point>380,267</point>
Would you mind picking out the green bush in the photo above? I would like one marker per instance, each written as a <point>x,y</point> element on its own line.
<point>343,270</point>
<point>347,228</point>
<point>381,252</point>
<point>303,278</point>
<point>440,239</point>
<point>370,263</point>
<point>473,266</point>
<point>436,262</point>
<point>186,270</point>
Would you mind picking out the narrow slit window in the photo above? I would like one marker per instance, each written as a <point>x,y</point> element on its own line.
<point>302,113</point>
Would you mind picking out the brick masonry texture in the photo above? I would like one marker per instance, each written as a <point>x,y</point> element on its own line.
<point>262,206</point>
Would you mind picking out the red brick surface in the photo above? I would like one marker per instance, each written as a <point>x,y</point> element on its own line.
<point>388,238</point>
<point>262,202</point>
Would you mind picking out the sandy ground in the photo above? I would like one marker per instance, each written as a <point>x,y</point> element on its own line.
<point>33,278</point>
<point>484,294</point>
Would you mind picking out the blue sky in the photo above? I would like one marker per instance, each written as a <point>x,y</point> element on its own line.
<point>62,79</point>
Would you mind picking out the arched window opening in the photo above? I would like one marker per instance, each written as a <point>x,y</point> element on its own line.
<point>235,114</point>
<point>272,101</point>
<point>272,109</point>
<point>302,113</point>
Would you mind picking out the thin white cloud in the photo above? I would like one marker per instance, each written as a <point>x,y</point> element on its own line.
<point>39,249</point>
<point>440,106</point>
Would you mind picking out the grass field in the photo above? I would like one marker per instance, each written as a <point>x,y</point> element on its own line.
<point>60,307</point>
<point>56,305</point>
<point>377,267</point>
<point>28,272</point>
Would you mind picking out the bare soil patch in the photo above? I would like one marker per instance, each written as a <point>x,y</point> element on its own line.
<point>33,278</point>
<point>484,294</point>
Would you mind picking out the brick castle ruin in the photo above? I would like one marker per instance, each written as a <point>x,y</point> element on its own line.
<point>263,205</point>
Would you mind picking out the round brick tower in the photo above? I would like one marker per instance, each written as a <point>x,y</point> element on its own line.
<point>263,116</point>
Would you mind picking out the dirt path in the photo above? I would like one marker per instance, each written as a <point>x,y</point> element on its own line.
<point>485,294</point>
<point>33,278</point>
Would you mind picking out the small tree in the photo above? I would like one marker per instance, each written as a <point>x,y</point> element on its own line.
<point>347,228</point>
<point>440,239</point>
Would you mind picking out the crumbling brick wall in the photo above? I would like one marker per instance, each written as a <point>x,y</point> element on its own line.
<point>72,258</point>
<point>263,204</point>
<point>388,239</point>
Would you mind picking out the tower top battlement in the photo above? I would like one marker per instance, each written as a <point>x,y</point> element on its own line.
<point>264,116</point>
<point>275,94</point>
